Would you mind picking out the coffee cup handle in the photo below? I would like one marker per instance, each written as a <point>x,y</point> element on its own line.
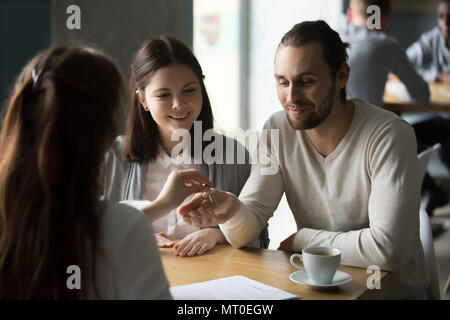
<point>291,260</point>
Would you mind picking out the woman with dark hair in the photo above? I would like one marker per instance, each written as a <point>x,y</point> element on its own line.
<point>60,121</point>
<point>168,99</point>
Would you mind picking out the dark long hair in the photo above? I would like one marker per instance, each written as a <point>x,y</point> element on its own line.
<point>142,136</point>
<point>59,121</point>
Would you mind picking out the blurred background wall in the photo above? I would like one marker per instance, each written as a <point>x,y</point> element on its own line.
<point>24,30</point>
<point>119,27</point>
<point>115,26</point>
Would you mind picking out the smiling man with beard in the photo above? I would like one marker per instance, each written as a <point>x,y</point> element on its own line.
<point>349,169</point>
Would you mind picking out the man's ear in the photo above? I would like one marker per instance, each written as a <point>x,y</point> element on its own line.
<point>342,75</point>
<point>141,99</point>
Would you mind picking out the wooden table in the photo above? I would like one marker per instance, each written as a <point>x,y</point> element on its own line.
<point>270,267</point>
<point>439,100</point>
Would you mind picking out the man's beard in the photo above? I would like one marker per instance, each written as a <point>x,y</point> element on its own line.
<point>316,119</point>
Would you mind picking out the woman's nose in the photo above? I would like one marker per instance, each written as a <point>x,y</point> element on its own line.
<point>178,102</point>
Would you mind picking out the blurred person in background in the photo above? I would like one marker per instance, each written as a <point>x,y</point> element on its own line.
<point>373,55</point>
<point>430,55</point>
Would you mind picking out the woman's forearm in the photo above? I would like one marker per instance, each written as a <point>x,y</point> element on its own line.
<point>157,209</point>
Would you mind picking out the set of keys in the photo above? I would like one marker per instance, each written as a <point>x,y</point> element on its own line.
<point>210,196</point>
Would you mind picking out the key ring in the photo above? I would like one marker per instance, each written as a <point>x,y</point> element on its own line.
<point>211,198</point>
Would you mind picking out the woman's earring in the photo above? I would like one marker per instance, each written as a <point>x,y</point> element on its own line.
<point>139,99</point>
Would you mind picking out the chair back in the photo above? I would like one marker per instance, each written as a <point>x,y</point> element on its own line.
<point>424,158</point>
<point>426,236</point>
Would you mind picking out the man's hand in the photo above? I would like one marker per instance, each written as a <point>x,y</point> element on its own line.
<point>392,77</point>
<point>162,241</point>
<point>287,244</point>
<point>443,77</point>
<point>209,208</point>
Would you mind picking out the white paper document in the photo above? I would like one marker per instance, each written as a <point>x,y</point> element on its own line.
<point>231,288</point>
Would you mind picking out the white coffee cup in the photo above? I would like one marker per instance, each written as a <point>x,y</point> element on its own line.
<point>320,263</point>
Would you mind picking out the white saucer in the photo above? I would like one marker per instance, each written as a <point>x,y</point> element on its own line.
<point>339,278</point>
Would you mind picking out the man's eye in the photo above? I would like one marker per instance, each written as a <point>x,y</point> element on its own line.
<point>283,83</point>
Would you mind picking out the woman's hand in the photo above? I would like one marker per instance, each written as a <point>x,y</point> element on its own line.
<point>179,185</point>
<point>199,242</point>
<point>162,241</point>
<point>209,208</point>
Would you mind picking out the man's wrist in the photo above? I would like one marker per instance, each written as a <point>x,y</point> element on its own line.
<point>297,245</point>
<point>236,204</point>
